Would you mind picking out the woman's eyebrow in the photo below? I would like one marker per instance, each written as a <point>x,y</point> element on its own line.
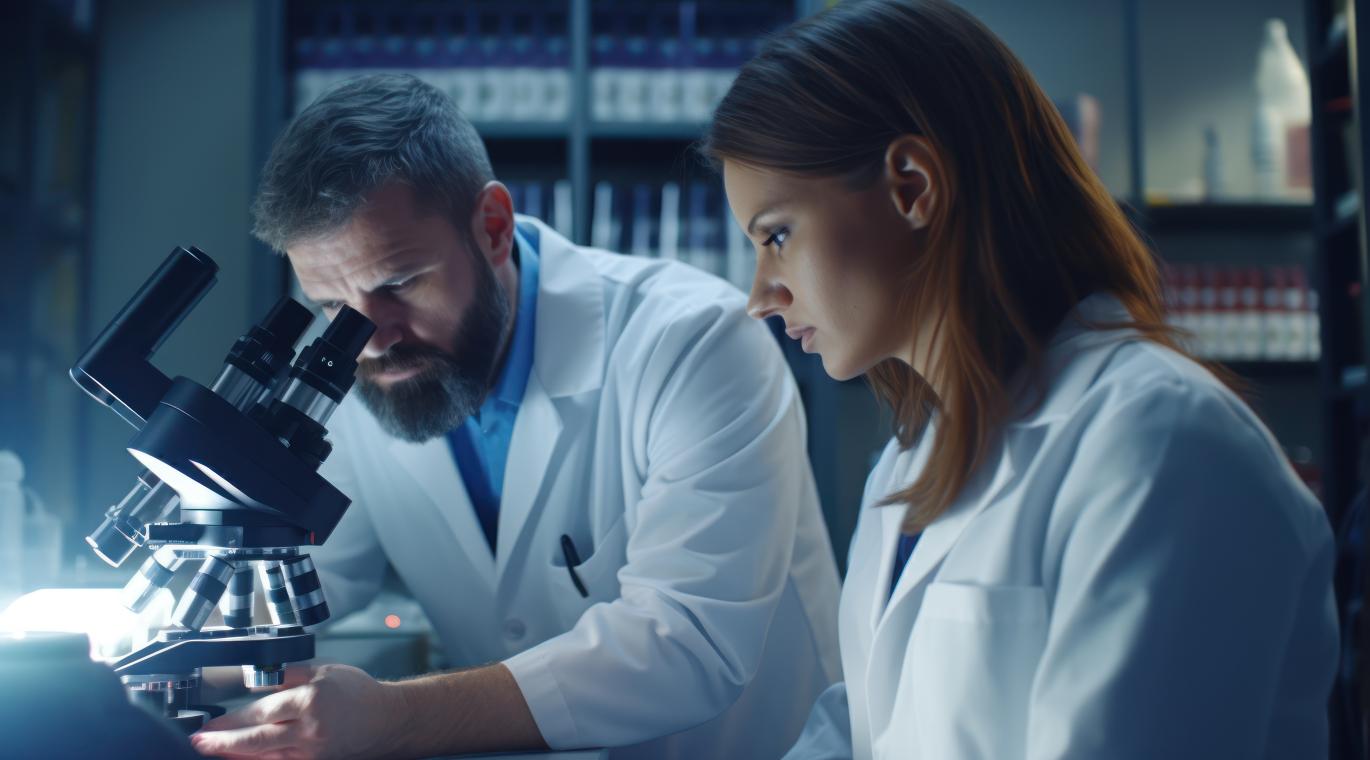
<point>751,225</point>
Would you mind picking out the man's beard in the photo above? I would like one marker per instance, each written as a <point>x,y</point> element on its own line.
<point>449,387</point>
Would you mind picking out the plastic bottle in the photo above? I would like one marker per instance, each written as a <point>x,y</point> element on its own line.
<point>1206,317</point>
<point>1252,322</point>
<point>1276,319</point>
<point>1214,185</point>
<point>1282,104</point>
<point>1229,345</point>
<point>1187,306</point>
<point>1296,306</point>
<point>11,525</point>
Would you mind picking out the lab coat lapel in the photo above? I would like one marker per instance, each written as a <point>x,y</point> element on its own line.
<point>537,431</point>
<point>1020,444</point>
<point>1075,356</point>
<point>430,464</point>
<point>908,463</point>
<point>939,537</point>
<point>891,517</point>
<point>568,360</point>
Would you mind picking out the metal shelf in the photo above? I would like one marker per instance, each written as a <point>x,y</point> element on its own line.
<point>523,130</point>
<point>1226,217</point>
<point>631,130</point>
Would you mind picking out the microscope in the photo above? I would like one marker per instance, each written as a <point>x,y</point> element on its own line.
<point>229,484</point>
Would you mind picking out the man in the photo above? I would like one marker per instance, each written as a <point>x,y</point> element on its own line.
<point>564,453</point>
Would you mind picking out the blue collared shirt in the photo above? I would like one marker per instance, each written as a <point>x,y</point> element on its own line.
<point>902,552</point>
<point>481,443</point>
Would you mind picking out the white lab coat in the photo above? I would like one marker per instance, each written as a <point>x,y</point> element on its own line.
<point>661,430</point>
<point>1137,573</point>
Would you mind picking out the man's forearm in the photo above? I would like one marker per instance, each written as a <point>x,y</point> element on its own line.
<point>478,710</point>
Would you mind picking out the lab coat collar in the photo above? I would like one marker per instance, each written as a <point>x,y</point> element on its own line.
<point>937,540</point>
<point>568,347</point>
<point>1076,354</point>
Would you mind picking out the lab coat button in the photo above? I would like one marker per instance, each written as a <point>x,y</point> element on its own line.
<point>514,629</point>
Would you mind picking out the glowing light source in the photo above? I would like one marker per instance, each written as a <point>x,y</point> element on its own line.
<point>97,612</point>
<point>392,621</point>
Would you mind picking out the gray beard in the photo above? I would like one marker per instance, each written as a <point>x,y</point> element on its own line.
<point>452,385</point>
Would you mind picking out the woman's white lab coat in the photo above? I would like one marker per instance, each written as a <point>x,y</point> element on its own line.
<point>1138,573</point>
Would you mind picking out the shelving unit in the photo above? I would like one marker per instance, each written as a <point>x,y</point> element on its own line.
<point>1220,217</point>
<point>1339,89</point>
<point>845,422</point>
<point>1339,222</point>
<point>575,137</point>
<point>584,151</point>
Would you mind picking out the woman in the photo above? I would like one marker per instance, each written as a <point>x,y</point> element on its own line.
<point>1079,543</point>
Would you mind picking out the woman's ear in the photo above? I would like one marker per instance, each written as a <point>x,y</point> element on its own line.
<point>910,173</point>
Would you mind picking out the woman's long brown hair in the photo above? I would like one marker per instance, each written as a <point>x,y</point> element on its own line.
<point>1022,231</point>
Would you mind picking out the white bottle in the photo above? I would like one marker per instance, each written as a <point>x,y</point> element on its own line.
<point>1275,319</point>
<point>1252,330</point>
<point>1214,185</point>
<point>1296,306</point>
<point>1314,350</point>
<point>11,525</point>
<point>1282,102</point>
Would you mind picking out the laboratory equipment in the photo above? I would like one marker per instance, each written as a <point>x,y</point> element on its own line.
<point>229,484</point>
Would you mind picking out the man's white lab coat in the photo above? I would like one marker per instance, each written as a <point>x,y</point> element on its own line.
<point>662,432</point>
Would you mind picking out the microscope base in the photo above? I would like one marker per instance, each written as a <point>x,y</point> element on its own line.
<point>164,676</point>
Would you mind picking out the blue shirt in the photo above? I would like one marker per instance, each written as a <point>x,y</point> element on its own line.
<point>481,443</point>
<point>901,558</point>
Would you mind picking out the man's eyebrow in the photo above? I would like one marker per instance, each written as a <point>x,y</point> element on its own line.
<point>401,273</point>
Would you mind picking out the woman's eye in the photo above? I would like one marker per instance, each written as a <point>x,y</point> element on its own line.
<point>777,238</point>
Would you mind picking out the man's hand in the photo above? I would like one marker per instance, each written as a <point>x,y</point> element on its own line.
<point>340,712</point>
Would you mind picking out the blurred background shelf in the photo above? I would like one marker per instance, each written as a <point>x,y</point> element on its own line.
<point>1222,216</point>
<point>523,130</point>
<point>634,130</point>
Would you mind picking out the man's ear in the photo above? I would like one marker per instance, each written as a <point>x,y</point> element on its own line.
<point>911,170</point>
<point>492,223</point>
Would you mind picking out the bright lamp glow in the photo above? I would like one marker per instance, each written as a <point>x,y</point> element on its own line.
<point>97,612</point>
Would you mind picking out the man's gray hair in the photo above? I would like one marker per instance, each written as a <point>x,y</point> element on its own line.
<point>358,136</point>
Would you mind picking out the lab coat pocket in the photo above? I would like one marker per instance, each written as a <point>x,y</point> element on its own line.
<point>972,657</point>
<point>598,573</point>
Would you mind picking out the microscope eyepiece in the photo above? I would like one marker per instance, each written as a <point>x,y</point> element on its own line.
<point>267,348</point>
<point>329,364</point>
<point>320,378</point>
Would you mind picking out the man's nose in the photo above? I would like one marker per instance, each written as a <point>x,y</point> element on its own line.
<point>389,328</point>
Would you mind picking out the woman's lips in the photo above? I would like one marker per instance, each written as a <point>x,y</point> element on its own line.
<point>803,334</point>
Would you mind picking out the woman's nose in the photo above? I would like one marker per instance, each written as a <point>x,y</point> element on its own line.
<point>768,297</point>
